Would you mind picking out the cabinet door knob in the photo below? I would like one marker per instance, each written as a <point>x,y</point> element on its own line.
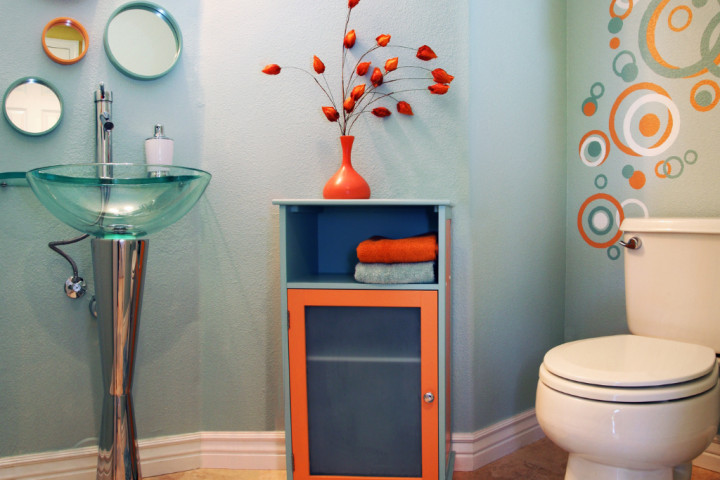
<point>429,397</point>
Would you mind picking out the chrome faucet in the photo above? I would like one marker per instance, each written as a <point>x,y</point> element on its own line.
<point>104,125</point>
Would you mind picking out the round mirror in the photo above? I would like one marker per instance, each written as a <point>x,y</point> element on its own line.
<point>142,40</point>
<point>33,106</point>
<point>65,40</point>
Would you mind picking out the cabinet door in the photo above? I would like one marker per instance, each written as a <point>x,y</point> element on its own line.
<point>361,362</point>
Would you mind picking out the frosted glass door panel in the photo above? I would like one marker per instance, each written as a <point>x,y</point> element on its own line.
<point>364,384</point>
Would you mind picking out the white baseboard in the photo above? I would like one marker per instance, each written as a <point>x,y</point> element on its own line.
<point>158,456</point>
<point>250,451</point>
<point>266,451</point>
<point>474,450</point>
<point>243,450</point>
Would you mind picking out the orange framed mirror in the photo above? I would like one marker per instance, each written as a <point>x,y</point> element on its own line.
<point>65,40</point>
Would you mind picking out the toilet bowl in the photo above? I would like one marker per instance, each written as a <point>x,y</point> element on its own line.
<point>629,407</point>
<point>642,406</point>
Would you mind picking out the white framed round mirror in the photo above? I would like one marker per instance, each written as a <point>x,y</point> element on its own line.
<point>142,40</point>
<point>33,106</point>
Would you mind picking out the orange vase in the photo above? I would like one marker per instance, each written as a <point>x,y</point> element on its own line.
<point>346,183</point>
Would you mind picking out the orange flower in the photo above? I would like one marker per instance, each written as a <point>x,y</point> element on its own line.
<point>349,39</point>
<point>441,76</point>
<point>383,40</point>
<point>357,91</point>
<point>361,94</point>
<point>363,68</point>
<point>331,113</point>
<point>404,108</point>
<point>438,89</point>
<point>425,53</point>
<point>376,78</point>
<point>271,69</point>
<point>318,65</point>
<point>391,64</point>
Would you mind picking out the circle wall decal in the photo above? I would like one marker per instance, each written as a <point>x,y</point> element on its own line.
<point>704,100</point>
<point>680,18</point>
<point>595,220</point>
<point>594,148</point>
<point>625,6</point>
<point>664,58</point>
<point>667,168</point>
<point>631,201</point>
<point>601,181</point>
<point>647,118</point>
<point>613,252</point>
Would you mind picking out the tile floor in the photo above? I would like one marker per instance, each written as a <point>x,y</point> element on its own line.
<point>541,460</point>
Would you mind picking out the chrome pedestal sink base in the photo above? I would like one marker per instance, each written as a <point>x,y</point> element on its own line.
<point>119,267</point>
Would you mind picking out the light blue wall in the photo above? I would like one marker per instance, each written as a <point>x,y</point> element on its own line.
<point>209,354</point>
<point>517,165</point>
<point>209,348</point>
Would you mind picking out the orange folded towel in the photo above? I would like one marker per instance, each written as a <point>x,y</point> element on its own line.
<point>420,248</point>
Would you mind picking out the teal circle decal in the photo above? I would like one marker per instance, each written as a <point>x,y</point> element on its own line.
<point>601,181</point>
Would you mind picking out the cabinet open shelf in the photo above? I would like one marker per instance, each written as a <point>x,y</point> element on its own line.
<point>321,236</point>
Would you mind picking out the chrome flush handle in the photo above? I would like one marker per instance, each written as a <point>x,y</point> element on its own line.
<point>633,244</point>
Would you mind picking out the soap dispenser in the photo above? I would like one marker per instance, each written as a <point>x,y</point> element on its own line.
<point>158,151</point>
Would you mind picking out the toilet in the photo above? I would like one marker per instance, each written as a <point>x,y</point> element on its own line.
<point>643,406</point>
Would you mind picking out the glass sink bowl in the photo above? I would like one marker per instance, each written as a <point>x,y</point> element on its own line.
<point>118,200</point>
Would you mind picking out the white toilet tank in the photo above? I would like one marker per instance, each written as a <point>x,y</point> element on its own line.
<point>672,281</point>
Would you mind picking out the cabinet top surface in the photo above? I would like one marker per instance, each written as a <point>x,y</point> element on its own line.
<point>363,203</point>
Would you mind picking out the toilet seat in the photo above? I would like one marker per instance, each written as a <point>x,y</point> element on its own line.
<point>630,368</point>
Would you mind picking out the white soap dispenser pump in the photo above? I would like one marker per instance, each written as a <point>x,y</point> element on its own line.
<point>159,151</point>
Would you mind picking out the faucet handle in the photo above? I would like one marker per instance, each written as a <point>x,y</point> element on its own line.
<point>101,95</point>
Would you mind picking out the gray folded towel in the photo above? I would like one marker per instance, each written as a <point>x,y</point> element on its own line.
<point>419,272</point>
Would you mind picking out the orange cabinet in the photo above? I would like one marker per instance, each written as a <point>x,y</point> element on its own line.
<point>363,383</point>
<point>366,367</point>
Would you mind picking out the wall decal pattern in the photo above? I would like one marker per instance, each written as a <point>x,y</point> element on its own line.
<point>662,71</point>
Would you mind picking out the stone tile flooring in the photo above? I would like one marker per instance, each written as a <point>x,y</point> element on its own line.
<point>541,460</point>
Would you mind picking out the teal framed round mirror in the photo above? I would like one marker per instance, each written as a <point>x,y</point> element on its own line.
<point>33,106</point>
<point>143,40</point>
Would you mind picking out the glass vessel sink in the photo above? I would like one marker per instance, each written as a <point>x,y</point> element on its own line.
<point>118,200</point>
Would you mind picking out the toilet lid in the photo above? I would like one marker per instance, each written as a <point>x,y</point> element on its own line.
<point>630,361</point>
<point>663,393</point>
